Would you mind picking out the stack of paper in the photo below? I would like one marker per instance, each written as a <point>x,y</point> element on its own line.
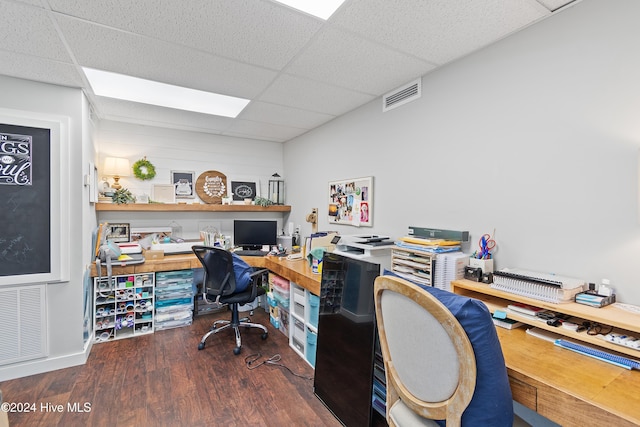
<point>428,245</point>
<point>449,266</point>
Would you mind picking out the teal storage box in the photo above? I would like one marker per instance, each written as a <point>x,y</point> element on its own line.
<point>312,341</point>
<point>271,301</point>
<point>275,322</point>
<point>314,309</point>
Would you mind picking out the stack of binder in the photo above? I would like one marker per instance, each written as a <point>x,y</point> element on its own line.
<point>541,286</point>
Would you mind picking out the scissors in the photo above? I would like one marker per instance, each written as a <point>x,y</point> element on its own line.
<point>487,244</point>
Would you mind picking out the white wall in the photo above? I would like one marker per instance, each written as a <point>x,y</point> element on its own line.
<point>536,137</point>
<point>63,300</point>
<point>167,149</point>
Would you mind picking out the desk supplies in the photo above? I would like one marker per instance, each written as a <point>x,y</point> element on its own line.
<point>506,323</point>
<point>620,361</point>
<point>543,334</point>
<point>525,309</point>
<point>130,248</point>
<point>594,300</point>
<point>473,273</point>
<point>624,340</point>
<point>541,286</point>
<point>486,245</point>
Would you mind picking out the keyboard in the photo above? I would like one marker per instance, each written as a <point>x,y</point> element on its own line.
<point>247,252</point>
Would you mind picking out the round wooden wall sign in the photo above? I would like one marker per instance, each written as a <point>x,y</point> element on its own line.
<point>211,187</point>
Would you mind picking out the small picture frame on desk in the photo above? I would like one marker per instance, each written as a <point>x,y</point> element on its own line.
<point>118,233</point>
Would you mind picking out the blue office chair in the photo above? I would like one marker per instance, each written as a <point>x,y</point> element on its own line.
<point>228,280</point>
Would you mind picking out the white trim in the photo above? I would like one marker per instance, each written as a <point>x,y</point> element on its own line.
<point>59,190</point>
<point>10,372</point>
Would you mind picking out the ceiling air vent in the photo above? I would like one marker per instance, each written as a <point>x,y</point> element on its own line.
<point>402,95</point>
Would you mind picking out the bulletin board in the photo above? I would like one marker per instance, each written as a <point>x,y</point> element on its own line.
<point>32,229</point>
<point>351,202</point>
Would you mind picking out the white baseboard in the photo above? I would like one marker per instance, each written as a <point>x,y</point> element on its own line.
<point>33,367</point>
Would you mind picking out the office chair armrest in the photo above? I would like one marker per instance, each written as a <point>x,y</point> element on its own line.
<point>256,272</point>
<point>254,283</point>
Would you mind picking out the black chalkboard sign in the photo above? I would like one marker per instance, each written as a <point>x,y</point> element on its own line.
<point>25,191</point>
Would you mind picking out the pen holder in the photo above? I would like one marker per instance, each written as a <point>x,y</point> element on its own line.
<point>485,264</point>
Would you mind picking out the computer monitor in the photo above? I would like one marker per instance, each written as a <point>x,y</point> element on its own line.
<point>251,234</point>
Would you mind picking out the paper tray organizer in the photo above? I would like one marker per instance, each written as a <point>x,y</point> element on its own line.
<point>594,300</point>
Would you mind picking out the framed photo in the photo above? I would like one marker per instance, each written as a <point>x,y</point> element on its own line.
<point>183,184</point>
<point>164,193</point>
<point>241,190</point>
<point>351,202</point>
<point>119,233</point>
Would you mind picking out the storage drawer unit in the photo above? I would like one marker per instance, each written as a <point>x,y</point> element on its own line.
<point>174,299</point>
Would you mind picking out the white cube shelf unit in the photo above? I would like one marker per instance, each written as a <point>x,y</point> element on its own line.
<point>123,306</point>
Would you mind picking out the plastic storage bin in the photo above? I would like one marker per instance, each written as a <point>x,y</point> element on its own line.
<point>314,309</point>
<point>312,341</point>
<point>284,321</point>
<point>274,321</point>
<point>298,309</point>
<point>271,300</point>
<point>281,297</point>
<point>274,312</point>
<point>278,282</point>
<point>299,331</point>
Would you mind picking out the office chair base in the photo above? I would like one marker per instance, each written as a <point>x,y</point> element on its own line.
<point>226,324</point>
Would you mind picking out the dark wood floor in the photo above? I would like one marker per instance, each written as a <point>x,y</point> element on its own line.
<point>162,379</point>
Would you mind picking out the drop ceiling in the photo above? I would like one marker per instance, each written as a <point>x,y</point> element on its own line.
<point>298,71</point>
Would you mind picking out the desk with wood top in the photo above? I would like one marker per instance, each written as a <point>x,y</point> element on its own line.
<point>297,271</point>
<point>570,389</point>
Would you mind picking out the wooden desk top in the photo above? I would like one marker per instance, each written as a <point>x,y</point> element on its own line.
<point>571,388</point>
<point>297,271</point>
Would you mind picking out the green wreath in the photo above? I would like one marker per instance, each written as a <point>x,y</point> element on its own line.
<point>141,166</point>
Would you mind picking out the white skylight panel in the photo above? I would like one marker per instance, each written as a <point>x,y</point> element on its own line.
<point>323,9</point>
<point>119,86</point>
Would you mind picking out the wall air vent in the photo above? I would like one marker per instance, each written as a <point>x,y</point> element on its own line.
<point>402,95</point>
<point>23,324</point>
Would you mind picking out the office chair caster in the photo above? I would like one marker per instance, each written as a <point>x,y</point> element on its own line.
<point>264,336</point>
<point>237,350</point>
<point>201,346</point>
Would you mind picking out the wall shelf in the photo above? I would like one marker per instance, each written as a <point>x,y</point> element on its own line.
<point>179,207</point>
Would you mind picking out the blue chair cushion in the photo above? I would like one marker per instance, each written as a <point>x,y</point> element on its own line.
<point>241,269</point>
<point>492,404</point>
<point>242,272</point>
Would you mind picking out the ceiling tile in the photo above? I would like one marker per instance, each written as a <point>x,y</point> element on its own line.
<point>132,112</point>
<point>298,71</point>
<point>264,131</point>
<point>555,4</point>
<point>437,31</point>
<point>112,50</point>
<point>39,69</point>
<point>28,30</point>
<point>277,114</point>
<point>356,63</point>
<point>313,96</point>
<point>257,32</point>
